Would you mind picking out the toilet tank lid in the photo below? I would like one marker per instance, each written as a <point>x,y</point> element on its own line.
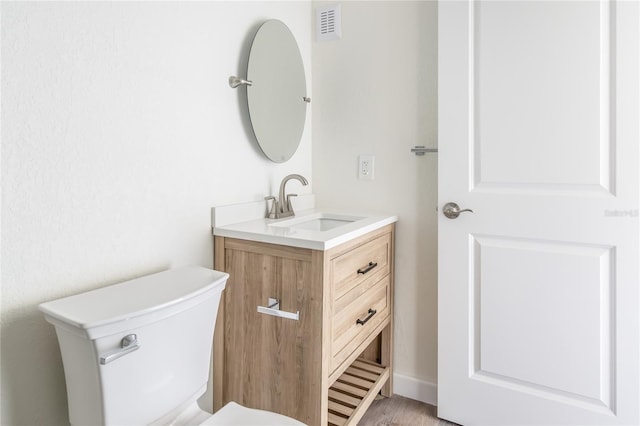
<point>134,298</point>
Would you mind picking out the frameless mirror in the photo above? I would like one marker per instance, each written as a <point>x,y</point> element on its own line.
<point>277,96</point>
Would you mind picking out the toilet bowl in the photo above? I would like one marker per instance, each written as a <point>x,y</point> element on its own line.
<point>234,414</point>
<point>138,352</point>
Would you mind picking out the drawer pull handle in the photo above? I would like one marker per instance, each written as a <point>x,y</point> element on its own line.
<point>371,313</point>
<point>367,268</point>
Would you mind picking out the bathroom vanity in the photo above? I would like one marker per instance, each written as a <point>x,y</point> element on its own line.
<point>306,322</point>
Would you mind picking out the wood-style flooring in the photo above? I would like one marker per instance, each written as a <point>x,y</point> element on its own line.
<point>401,411</point>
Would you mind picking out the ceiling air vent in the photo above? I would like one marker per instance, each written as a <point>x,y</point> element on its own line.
<point>328,22</point>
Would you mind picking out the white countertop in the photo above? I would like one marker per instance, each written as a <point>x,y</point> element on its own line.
<point>272,230</point>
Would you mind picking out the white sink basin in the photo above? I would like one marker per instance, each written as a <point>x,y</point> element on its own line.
<point>318,222</point>
<point>321,224</point>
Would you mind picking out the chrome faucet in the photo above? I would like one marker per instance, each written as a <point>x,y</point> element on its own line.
<point>282,206</point>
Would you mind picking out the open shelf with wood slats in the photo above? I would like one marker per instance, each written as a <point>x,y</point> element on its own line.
<point>352,393</point>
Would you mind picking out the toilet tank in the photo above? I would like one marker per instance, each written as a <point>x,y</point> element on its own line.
<point>172,315</point>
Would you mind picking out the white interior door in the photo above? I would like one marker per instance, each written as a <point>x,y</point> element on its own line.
<point>538,296</point>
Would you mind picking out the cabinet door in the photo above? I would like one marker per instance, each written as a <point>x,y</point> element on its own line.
<point>272,363</point>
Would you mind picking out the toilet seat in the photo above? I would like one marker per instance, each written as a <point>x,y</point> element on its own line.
<point>234,414</point>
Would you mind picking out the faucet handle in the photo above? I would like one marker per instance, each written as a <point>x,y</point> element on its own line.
<point>289,207</point>
<point>273,213</point>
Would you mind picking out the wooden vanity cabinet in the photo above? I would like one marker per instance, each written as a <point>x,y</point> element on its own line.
<point>327,366</point>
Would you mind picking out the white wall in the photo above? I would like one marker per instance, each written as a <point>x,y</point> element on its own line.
<point>375,92</point>
<point>119,132</point>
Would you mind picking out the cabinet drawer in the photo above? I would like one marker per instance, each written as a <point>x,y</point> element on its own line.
<point>356,315</point>
<point>367,261</point>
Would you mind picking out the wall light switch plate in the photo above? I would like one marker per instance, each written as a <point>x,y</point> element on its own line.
<point>365,167</point>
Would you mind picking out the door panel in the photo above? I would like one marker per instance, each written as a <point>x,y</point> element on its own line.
<point>520,92</point>
<point>538,294</point>
<point>529,327</point>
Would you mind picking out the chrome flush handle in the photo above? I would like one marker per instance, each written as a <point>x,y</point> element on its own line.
<point>128,344</point>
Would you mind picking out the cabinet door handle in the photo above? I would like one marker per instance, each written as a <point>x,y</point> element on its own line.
<point>274,309</point>
<point>371,313</point>
<point>367,268</point>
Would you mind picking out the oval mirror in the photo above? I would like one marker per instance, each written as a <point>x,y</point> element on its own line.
<point>277,96</point>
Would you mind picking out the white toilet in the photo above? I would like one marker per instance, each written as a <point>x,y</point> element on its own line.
<point>139,352</point>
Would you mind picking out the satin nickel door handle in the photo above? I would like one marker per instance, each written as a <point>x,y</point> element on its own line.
<point>452,210</point>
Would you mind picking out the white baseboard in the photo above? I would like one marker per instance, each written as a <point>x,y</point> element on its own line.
<point>419,390</point>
